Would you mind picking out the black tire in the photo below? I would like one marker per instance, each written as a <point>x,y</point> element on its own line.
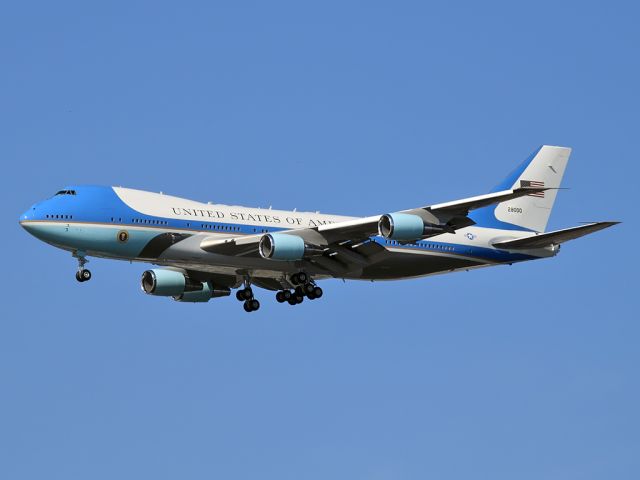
<point>294,279</point>
<point>280,297</point>
<point>302,277</point>
<point>79,277</point>
<point>299,292</point>
<point>247,293</point>
<point>311,296</point>
<point>86,275</point>
<point>317,292</point>
<point>247,306</point>
<point>286,294</point>
<point>255,305</point>
<point>308,288</point>
<point>239,296</point>
<point>299,298</point>
<point>292,301</point>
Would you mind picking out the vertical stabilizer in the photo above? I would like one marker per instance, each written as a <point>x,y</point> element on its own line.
<point>544,168</point>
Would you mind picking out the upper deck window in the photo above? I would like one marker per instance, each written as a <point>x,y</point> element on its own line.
<point>66,192</point>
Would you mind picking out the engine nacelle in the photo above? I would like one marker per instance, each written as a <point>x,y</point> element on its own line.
<point>406,227</point>
<point>168,283</point>
<point>207,293</point>
<point>279,246</point>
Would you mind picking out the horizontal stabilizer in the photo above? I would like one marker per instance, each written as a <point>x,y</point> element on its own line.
<point>553,238</point>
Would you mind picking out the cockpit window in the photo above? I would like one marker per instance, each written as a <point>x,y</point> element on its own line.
<point>66,192</point>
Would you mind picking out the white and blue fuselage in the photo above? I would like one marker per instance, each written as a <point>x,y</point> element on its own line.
<point>127,224</point>
<point>211,248</point>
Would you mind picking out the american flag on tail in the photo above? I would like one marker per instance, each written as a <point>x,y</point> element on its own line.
<point>533,183</point>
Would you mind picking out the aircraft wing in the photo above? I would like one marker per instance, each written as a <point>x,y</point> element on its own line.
<point>553,238</point>
<point>342,236</point>
<point>233,246</point>
<point>462,207</point>
<point>452,214</point>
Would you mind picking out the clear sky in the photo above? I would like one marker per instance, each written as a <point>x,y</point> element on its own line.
<point>527,372</point>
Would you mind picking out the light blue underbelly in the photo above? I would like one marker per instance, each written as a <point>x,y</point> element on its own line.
<point>100,239</point>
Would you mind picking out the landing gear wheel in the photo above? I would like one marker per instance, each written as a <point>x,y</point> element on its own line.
<point>308,288</point>
<point>299,278</point>
<point>283,296</point>
<point>83,275</point>
<point>293,300</point>
<point>317,292</point>
<point>251,305</point>
<point>244,294</point>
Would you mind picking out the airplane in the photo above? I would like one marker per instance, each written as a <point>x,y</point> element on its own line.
<point>205,250</point>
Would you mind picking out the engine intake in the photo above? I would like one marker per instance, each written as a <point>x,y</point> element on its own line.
<point>406,227</point>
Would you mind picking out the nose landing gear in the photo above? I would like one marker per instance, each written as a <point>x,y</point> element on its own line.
<point>83,274</point>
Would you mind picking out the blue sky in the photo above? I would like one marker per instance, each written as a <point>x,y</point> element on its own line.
<point>359,108</point>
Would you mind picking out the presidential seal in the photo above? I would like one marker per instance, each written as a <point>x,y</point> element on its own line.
<point>123,236</point>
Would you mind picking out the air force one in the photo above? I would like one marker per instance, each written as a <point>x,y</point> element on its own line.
<point>209,249</point>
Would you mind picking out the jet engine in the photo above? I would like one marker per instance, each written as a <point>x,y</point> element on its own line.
<point>279,246</point>
<point>172,283</point>
<point>406,227</point>
<point>167,283</point>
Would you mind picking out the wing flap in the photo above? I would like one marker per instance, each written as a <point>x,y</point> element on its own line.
<point>553,238</point>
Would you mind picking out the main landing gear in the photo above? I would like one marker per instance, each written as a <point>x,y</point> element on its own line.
<point>246,295</point>
<point>83,274</point>
<point>304,288</point>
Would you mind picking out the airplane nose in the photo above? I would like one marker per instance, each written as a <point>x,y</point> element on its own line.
<point>24,222</point>
<point>25,218</point>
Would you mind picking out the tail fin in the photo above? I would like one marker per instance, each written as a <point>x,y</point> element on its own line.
<point>544,168</point>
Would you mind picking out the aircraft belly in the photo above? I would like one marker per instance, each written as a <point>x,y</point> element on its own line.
<point>404,265</point>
